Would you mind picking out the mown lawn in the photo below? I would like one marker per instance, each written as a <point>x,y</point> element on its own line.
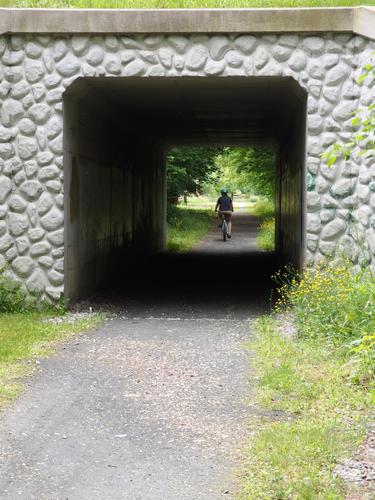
<point>26,336</point>
<point>168,4</point>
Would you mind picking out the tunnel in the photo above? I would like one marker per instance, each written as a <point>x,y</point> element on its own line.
<point>117,132</point>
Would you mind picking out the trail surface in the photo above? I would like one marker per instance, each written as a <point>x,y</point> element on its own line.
<point>149,406</point>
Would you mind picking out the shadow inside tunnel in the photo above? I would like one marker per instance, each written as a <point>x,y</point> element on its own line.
<point>195,283</point>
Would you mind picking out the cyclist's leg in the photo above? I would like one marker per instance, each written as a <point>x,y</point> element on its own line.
<point>220,215</point>
<point>228,218</point>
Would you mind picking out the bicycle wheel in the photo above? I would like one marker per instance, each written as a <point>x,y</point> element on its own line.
<point>225,230</point>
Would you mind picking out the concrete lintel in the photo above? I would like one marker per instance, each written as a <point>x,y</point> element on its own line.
<point>364,22</point>
<point>360,20</point>
<point>128,21</point>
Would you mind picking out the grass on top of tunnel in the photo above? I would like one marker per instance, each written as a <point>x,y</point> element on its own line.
<point>25,336</point>
<point>186,227</point>
<point>314,417</point>
<point>165,4</point>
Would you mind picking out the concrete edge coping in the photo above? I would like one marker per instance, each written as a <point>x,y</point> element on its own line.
<point>358,20</point>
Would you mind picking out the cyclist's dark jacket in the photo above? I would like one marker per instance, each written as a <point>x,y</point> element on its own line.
<point>225,203</point>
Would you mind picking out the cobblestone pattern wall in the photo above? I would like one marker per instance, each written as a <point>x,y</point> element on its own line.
<point>35,71</point>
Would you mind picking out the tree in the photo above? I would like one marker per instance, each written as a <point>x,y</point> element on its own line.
<point>188,168</point>
<point>252,170</point>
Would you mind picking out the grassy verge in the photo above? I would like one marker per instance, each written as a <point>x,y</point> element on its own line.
<point>321,380</point>
<point>265,210</point>
<point>165,4</point>
<point>323,418</point>
<point>27,336</point>
<point>266,235</point>
<point>186,227</point>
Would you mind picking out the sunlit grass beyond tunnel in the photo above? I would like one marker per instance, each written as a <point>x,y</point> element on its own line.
<point>186,227</point>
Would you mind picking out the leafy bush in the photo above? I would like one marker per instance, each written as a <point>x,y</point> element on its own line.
<point>263,208</point>
<point>266,235</point>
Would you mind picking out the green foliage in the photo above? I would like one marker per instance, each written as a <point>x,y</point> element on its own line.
<point>321,420</point>
<point>186,227</point>
<point>263,208</point>
<point>165,4</point>
<point>266,235</point>
<point>189,168</point>
<point>251,170</point>
<point>332,303</point>
<point>14,298</point>
<point>363,123</point>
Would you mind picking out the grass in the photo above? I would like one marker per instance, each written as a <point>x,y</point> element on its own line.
<point>323,418</point>
<point>266,235</point>
<point>333,304</point>
<point>167,4</point>
<point>265,210</point>
<point>186,227</point>
<point>26,336</point>
<point>321,380</point>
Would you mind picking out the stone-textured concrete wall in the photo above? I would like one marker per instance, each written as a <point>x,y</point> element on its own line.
<point>36,70</point>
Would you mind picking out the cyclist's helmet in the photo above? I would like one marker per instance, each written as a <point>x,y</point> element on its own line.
<point>224,190</point>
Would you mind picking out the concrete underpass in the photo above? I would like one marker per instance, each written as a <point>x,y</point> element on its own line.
<point>117,132</point>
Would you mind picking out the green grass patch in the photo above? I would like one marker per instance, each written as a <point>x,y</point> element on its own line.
<point>167,4</point>
<point>186,227</point>
<point>323,417</point>
<point>263,208</point>
<point>266,235</point>
<point>26,336</point>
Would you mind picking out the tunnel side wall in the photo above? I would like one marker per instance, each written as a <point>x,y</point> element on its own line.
<point>291,190</point>
<point>36,70</point>
<point>113,197</point>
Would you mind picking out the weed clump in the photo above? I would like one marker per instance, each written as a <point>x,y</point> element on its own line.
<point>15,299</point>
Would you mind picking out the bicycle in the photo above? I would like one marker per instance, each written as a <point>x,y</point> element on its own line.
<point>224,227</point>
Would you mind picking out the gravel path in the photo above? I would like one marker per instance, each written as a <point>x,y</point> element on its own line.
<point>149,406</point>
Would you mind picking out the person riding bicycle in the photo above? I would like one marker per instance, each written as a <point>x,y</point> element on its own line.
<point>224,206</point>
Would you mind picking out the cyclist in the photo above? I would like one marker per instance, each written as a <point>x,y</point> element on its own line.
<point>224,206</point>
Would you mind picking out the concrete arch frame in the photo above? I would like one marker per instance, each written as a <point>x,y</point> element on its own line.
<point>56,83</point>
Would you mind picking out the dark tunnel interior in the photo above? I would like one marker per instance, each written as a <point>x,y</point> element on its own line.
<point>117,132</point>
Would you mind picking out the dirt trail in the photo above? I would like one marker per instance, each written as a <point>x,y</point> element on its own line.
<point>148,406</point>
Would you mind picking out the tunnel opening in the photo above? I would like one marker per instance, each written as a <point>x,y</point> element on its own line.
<point>117,133</point>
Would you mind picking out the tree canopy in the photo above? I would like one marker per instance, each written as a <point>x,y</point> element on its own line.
<point>188,168</point>
<point>193,170</point>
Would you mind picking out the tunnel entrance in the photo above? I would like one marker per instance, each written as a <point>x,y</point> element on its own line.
<point>117,132</point>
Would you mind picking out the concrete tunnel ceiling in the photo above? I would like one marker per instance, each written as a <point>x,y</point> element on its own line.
<point>231,111</point>
<point>117,132</point>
